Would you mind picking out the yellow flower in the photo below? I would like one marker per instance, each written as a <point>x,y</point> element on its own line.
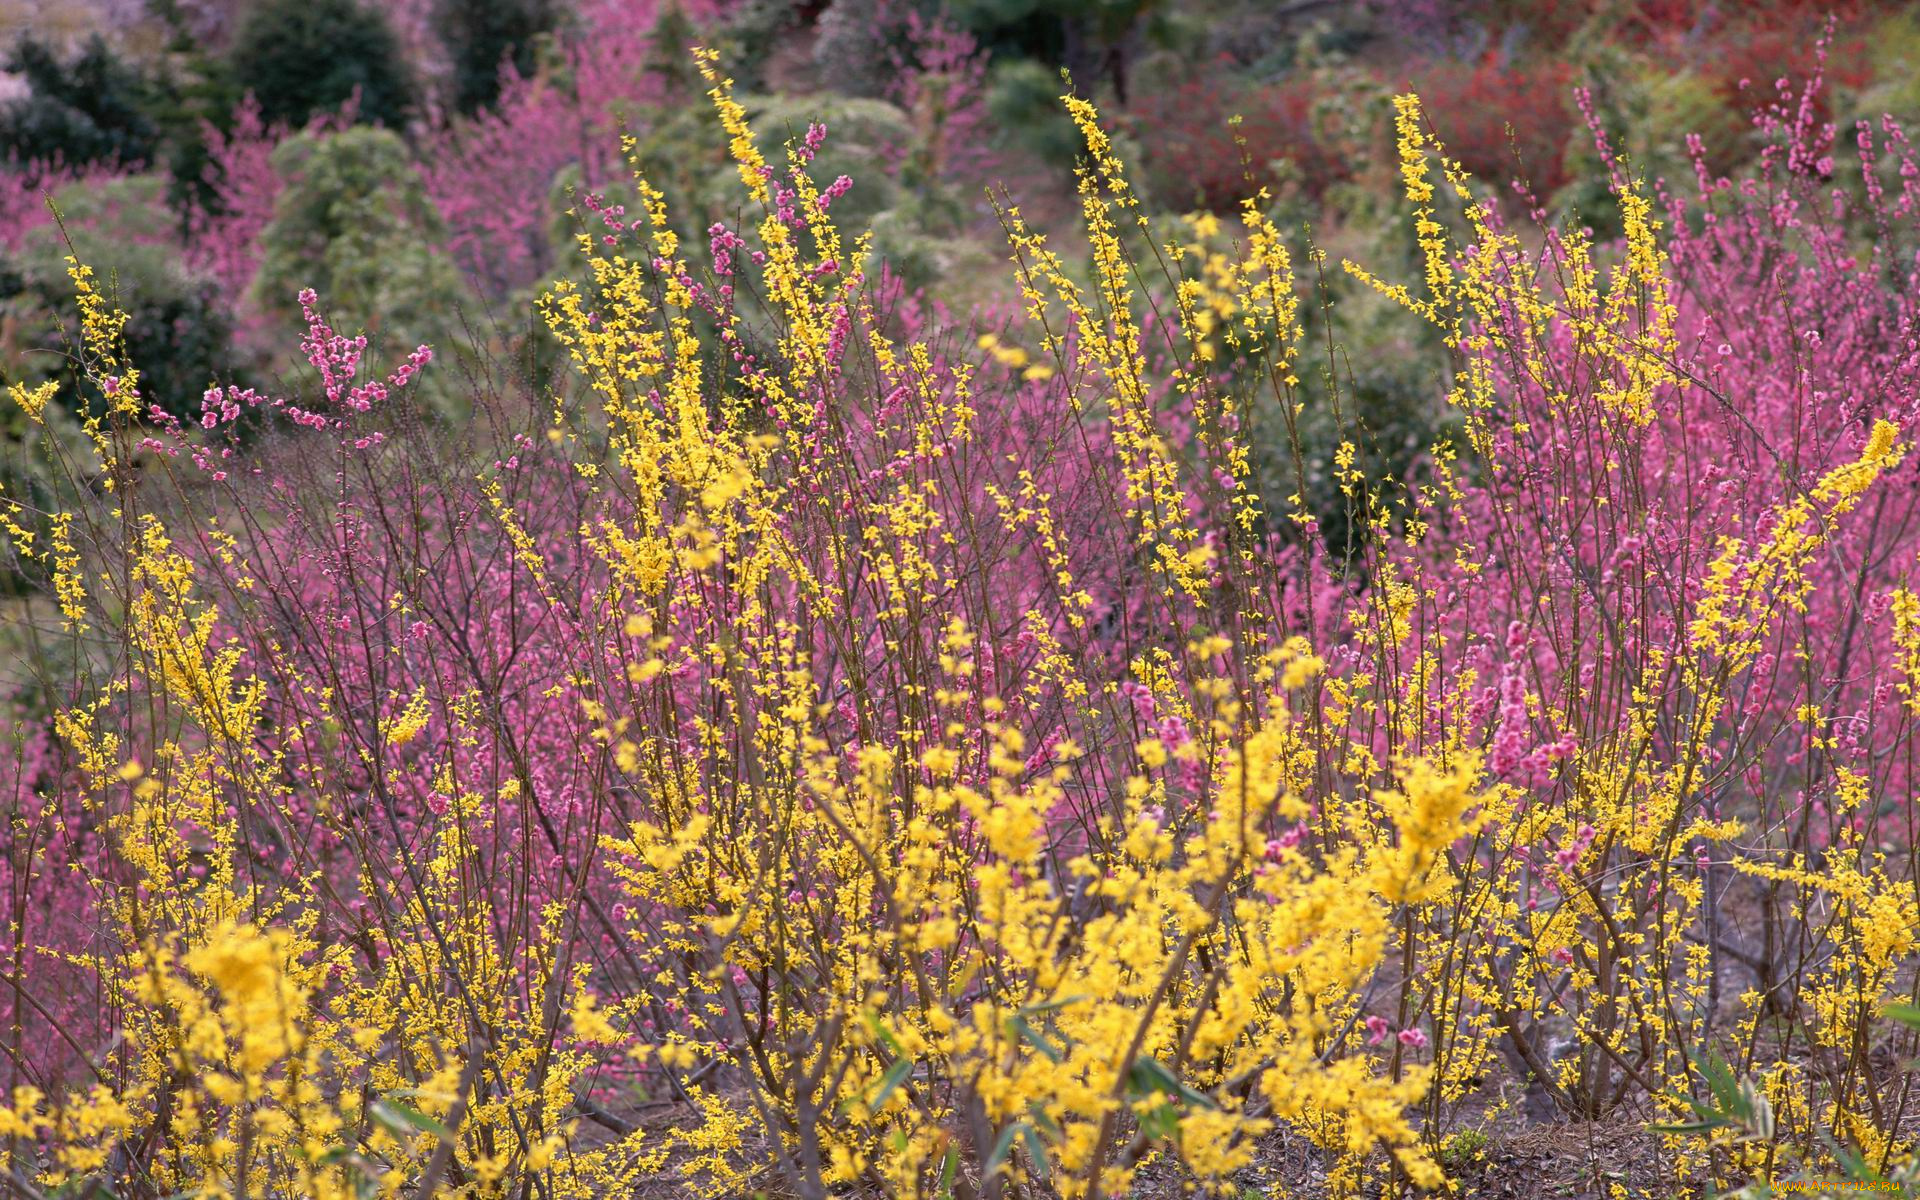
<point>407,724</point>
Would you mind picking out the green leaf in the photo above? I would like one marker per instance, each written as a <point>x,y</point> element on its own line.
<point>949,1166</point>
<point>1853,1164</point>
<point>1758,1110</point>
<point>1906,1014</point>
<point>1020,1029</point>
<point>1044,1123</point>
<point>403,1121</point>
<point>1037,1151</point>
<point>1720,1081</point>
<point>1002,1149</point>
<point>1162,1122</point>
<point>895,1076</point>
<point>886,1036</point>
<point>1148,1075</point>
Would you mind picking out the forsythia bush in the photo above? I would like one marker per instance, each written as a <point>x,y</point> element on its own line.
<point>801,754</point>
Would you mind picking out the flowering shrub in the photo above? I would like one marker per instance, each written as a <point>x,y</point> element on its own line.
<point>927,765</point>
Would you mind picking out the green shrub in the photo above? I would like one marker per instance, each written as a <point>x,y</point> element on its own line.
<point>354,223</point>
<point>179,327</point>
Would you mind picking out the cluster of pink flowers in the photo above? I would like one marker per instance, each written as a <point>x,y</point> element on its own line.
<point>1378,1029</point>
<point>337,359</point>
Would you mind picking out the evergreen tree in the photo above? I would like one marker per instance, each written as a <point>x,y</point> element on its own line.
<point>91,109</point>
<point>301,57</point>
<point>482,35</point>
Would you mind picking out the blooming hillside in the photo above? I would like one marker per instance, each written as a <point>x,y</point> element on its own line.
<point>766,729</point>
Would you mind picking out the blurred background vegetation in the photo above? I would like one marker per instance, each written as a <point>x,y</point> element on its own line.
<point>422,163</point>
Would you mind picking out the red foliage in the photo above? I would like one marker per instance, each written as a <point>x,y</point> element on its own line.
<point>1503,122</point>
<point>1193,151</point>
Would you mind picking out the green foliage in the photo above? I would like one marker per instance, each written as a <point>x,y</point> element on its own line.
<point>1380,397</point>
<point>1737,1112</point>
<point>178,328</point>
<point>1736,1105</point>
<point>915,219</point>
<point>301,57</point>
<point>863,136</point>
<point>748,37</point>
<point>1648,116</point>
<point>669,43</point>
<point>99,107</point>
<point>1894,51</point>
<point>1097,40</point>
<point>93,108</point>
<point>31,452</point>
<point>919,248</point>
<point>1023,98</point>
<point>1379,392</point>
<point>196,92</point>
<point>1013,28</point>
<point>355,224</point>
<point>482,35</point>
<point>1464,1149</point>
<point>850,51</point>
<point>871,142</point>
